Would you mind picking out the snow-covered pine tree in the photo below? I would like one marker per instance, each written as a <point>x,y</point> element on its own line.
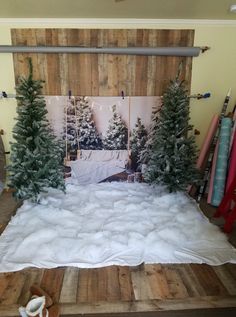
<point>117,133</point>
<point>173,157</point>
<point>88,136</point>
<point>70,127</point>
<point>36,156</point>
<point>138,141</point>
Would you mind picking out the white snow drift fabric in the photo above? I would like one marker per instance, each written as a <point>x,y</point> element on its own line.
<point>111,223</point>
<point>96,165</point>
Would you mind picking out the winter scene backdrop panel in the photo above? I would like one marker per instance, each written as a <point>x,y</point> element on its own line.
<point>129,108</point>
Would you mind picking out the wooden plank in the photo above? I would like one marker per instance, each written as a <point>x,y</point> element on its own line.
<point>52,282</point>
<point>112,67</point>
<point>175,283</point>
<point>69,285</point>
<point>20,37</point>
<point>84,65</point>
<point>226,278</point>
<point>232,269</point>
<point>63,63</point>
<point>13,289</point>
<point>151,66</point>
<point>131,63</point>
<point>141,286</point>
<point>32,276</point>
<point>74,310</point>
<point>82,293</point>
<point>209,280</point>
<point>125,282</point>
<point>122,63</point>
<point>42,60</point>
<point>103,63</point>
<point>157,281</point>
<point>149,305</point>
<point>53,86</point>
<point>192,284</point>
<point>94,64</point>
<point>113,285</point>
<point>141,65</point>
<point>4,281</point>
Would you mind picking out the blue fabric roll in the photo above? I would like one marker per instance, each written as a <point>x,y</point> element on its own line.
<point>221,162</point>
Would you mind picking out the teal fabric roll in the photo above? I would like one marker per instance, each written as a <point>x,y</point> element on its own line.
<point>222,161</point>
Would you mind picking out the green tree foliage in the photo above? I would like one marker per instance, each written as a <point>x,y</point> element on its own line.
<point>36,155</point>
<point>173,158</point>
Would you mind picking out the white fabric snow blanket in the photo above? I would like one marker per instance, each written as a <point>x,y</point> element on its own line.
<point>111,223</point>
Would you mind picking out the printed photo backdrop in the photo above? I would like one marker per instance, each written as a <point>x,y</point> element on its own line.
<point>101,107</point>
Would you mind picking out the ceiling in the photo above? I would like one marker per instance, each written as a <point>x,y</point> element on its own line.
<point>139,9</point>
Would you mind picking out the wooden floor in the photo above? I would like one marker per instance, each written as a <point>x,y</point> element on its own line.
<point>146,290</point>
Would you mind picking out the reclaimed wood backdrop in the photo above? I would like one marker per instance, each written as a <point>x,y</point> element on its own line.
<point>103,74</point>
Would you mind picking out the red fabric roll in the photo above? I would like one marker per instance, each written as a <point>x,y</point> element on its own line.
<point>232,164</point>
<point>207,142</point>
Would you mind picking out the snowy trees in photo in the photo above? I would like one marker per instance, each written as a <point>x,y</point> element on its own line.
<point>36,155</point>
<point>173,155</point>
<point>70,134</point>
<point>138,141</point>
<point>88,136</point>
<point>146,152</point>
<point>117,133</point>
<point>79,129</point>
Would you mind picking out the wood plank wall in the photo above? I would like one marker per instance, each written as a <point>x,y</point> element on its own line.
<point>103,74</point>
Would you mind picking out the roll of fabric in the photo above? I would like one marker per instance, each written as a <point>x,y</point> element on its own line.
<point>213,171</point>
<point>208,141</point>
<point>232,164</point>
<point>222,161</point>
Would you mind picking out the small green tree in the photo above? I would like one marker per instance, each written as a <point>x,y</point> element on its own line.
<point>36,155</point>
<point>117,133</point>
<point>138,141</point>
<point>173,158</point>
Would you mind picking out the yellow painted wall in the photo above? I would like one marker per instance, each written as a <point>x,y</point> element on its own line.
<point>213,71</point>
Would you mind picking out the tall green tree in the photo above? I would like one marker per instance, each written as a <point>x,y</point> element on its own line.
<point>36,155</point>
<point>173,158</point>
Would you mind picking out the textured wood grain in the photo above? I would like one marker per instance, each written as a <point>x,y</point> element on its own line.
<point>31,276</point>
<point>52,282</point>
<point>13,289</point>
<point>70,285</point>
<point>117,289</point>
<point>103,74</point>
<point>209,280</point>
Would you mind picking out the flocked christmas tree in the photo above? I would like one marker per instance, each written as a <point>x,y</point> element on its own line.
<point>88,136</point>
<point>36,155</point>
<point>117,133</point>
<point>138,141</point>
<point>173,157</point>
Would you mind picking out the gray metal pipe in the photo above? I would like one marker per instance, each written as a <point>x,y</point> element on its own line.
<point>161,51</point>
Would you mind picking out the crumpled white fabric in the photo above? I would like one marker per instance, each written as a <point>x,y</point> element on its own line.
<point>111,224</point>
